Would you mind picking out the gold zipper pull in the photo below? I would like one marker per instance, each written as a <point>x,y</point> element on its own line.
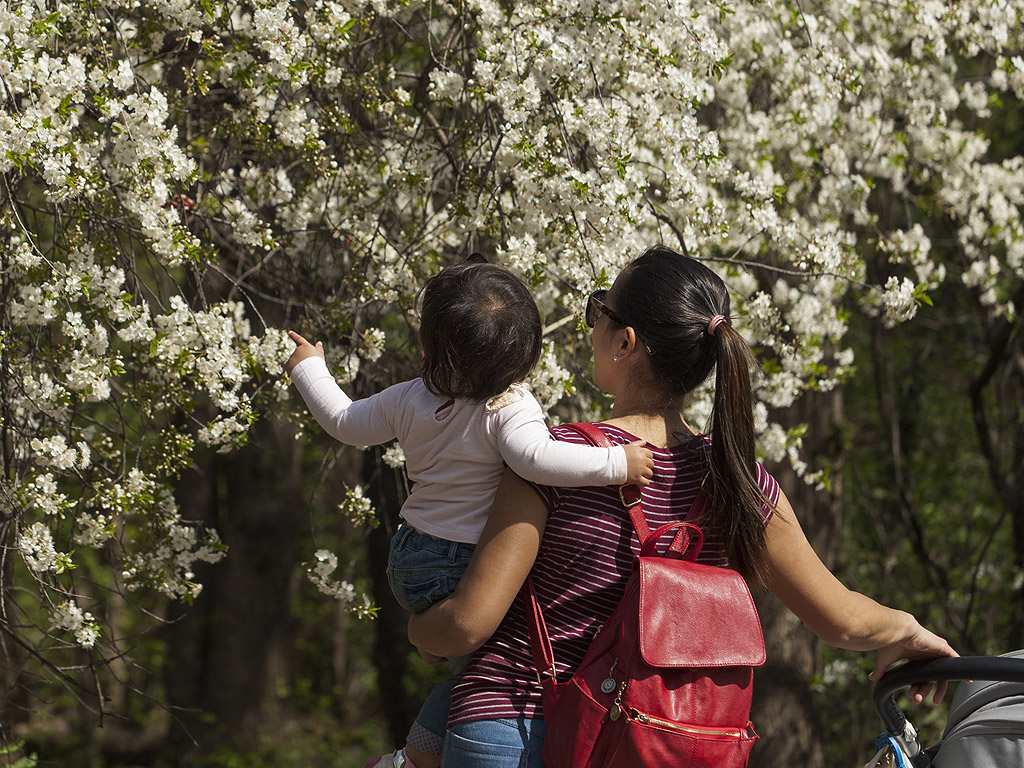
<point>634,714</point>
<point>615,712</point>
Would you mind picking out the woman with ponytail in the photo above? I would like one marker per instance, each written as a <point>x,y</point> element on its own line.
<point>658,334</point>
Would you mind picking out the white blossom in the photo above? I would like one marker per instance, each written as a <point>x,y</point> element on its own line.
<point>82,624</point>
<point>549,381</point>
<point>372,346</point>
<point>342,591</point>
<point>37,548</point>
<point>394,456</point>
<point>898,301</point>
<point>357,507</point>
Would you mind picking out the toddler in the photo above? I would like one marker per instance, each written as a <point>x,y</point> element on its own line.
<point>459,424</point>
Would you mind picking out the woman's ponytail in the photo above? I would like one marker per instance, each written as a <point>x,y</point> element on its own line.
<point>738,505</point>
<point>684,325</point>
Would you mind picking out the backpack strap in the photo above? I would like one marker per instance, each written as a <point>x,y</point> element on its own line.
<point>631,495</point>
<point>540,641</point>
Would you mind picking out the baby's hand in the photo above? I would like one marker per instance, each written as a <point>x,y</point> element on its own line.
<point>303,349</point>
<point>639,464</point>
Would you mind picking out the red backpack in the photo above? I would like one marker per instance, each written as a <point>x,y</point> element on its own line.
<point>667,680</point>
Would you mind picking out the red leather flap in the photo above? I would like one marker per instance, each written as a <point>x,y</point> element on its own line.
<point>694,615</point>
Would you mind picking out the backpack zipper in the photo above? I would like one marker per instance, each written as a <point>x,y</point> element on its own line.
<point>735,733</point>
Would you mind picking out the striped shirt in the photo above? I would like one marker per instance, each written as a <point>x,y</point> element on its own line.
<point>580,575</point>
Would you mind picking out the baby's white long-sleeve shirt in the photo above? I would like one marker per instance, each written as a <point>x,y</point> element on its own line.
<point>455,452</point>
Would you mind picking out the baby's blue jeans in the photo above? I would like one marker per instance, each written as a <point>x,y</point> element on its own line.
<point>422,570</point>
<point>494,744</point>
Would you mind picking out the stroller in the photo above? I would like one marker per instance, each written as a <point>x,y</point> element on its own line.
<point>985,728</point>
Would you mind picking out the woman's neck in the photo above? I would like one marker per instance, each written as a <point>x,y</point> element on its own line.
<point>663,430</point>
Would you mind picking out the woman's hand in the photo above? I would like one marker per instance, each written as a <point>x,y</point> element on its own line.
<point>920,643</point>
<point>431,659</point>
<point>303,349</point>
<point>840,616</point>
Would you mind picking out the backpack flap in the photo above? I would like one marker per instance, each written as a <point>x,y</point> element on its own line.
<point>694,615</point>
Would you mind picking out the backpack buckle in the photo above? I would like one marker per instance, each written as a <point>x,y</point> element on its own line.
<point>629,495</point>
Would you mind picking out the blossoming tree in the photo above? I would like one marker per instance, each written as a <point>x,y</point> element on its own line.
<point>180,180</point>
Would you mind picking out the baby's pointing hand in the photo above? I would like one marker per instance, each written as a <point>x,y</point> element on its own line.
<point>303,349</point>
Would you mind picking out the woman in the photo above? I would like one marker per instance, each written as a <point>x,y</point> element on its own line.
<point>657,335</point>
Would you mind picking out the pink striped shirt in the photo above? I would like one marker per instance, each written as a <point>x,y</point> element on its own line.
<point>580,574</point>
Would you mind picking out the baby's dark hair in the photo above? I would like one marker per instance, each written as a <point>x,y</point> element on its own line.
<point>480,331</point>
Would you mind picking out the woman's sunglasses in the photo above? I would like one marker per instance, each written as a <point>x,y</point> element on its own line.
<point>596,306</point>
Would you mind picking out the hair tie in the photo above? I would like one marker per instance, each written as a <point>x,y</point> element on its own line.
<point>716,321</point>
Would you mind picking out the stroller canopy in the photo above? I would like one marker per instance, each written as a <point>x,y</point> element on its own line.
<point>985,728</point>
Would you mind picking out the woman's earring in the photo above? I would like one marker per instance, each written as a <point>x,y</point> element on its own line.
<point>615,358</point>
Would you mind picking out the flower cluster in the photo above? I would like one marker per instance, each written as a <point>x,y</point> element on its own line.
<point>356,507</point>
<point>550,380</point>
<point>115,365</point>
<point>36,546</point>
<point>342,591</point>
<point>68,616</point>
<point>394,456</point>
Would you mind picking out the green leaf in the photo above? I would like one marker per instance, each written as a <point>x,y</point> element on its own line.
<point>921,296</point>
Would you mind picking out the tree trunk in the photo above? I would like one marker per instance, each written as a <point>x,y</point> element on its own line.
<point>997,405</point>
<point>391,645</point>
<point>187,634</point>
<point>226,651</point>
<point>14,658</point>
<point>783,703</point>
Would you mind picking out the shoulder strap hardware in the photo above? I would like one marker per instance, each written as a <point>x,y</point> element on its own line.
<point>629,495</point>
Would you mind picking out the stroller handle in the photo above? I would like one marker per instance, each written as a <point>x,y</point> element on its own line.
<point>939,670</point>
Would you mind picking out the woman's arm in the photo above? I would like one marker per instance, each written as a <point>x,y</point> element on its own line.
<point>461,623</point>
<point>840,616</point>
